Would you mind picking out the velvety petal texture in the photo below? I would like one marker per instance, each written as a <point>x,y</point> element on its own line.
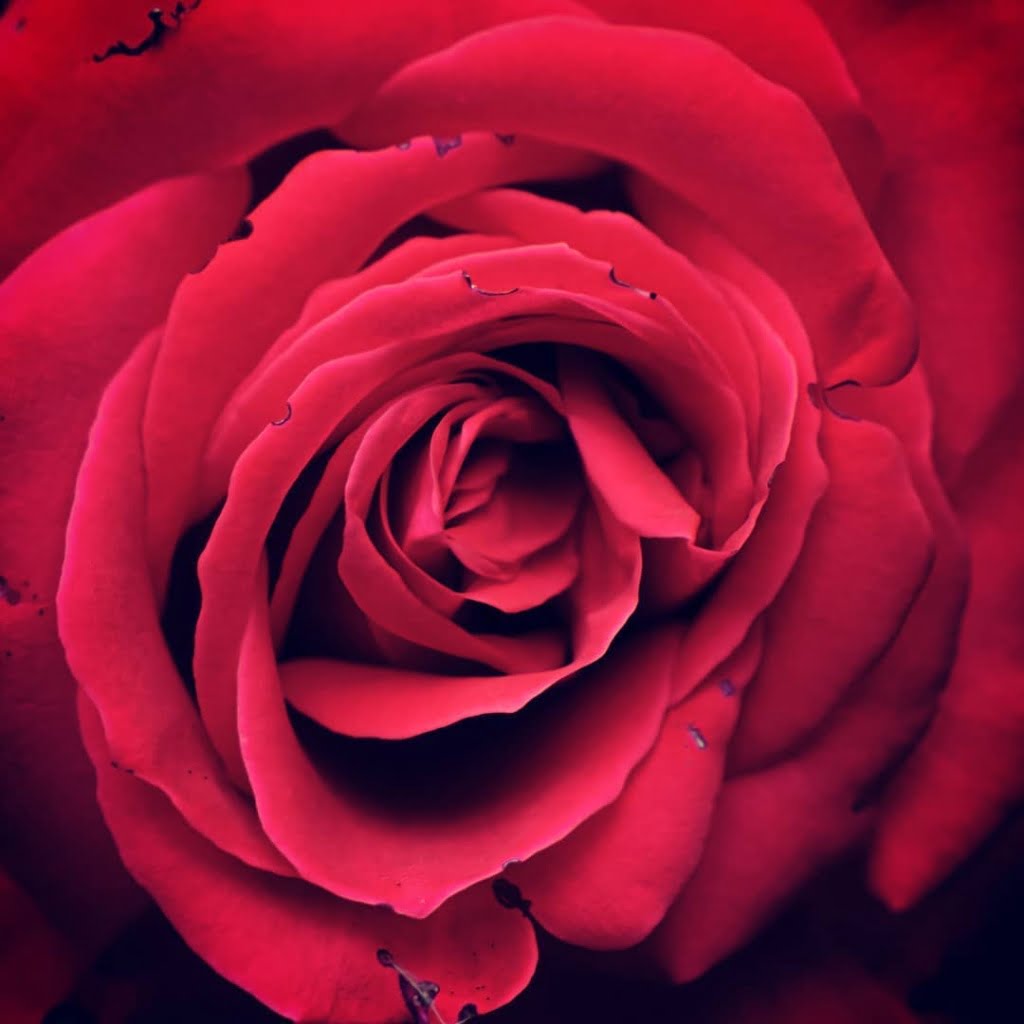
<point>539,465</point>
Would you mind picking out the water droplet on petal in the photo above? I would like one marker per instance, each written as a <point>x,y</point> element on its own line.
<point>698,737</point>
<point>727,687</point>
<point>285,418</point>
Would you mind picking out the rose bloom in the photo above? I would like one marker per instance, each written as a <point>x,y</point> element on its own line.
<point>473,471</point>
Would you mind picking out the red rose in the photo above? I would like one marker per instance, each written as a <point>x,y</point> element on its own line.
<point>583,500</point>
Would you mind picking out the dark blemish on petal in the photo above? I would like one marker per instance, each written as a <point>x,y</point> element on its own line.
<point>483,291</point>
<point>510,897</point>
<point>444,144</point>
<point>242,232</point>
<point>468,1012</point>
<point>505,140</point>
<point>180,10</point>
<point>8,654</point>
<point>384,958</point>
<point>123,49</point>
<point>698,737</point>
<point>415,1001</point>
<point>156,33</point>
<point>20,24</point>
<point>727,687</point>
<point>42,611</point>
<point>615,279</point>
<point>285,418</point>
<point>9,593</point>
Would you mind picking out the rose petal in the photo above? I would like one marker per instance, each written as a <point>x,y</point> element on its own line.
<point>609,883</point>
<point>769,553</point>
<point>788,44</point>
<point>747,152</point>
<point>946,94</point>
<point>359,699</point>
<point>583,745</point>
<point>949,110</point>
<point>867,551</point>
<point>636,490</point>
<point>328,496</point>
<point>430,316</point>
<point>536,579</point>
<point>380,591</point>
<point>69,316</point>
<point>231,80</point>
<point>304,953</point>
<point>968,771</point>
<point>107,606</point>
<point>251,292</point>
<point>804,810</point>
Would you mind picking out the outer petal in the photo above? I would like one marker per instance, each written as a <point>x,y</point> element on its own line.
<point>867,552</point>
<point>787,43</point>
<point>748,153</point>
<point>306,954</point>
<point>947,93</point>
<point>968,772</point>
<point>805,809</point>
<point>607,884</point>
<point>68,317</point>
<point>583,743</point>
<point>107,604</point>
<point>232,79</point>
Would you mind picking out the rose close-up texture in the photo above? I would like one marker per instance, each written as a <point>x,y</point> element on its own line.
<point>499,483</point>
